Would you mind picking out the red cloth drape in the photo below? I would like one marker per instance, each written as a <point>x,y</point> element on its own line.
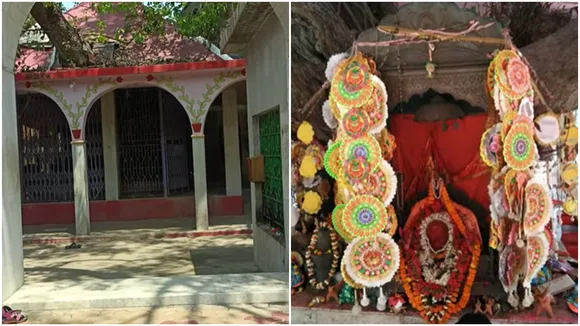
<point>455,151</point>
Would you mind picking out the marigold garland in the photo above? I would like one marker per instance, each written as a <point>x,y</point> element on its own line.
<point>462,278</point>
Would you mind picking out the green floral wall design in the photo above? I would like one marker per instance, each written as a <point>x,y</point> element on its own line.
<point>90,91</point>
<point>210,91</point>
<point>81,107</point>
<point>58,96</point>
<point>198,109</point>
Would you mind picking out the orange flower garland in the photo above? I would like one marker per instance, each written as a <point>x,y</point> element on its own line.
<point>458,298</point>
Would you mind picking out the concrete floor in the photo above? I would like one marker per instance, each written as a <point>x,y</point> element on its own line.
<point>132,227</point>
<point>201,314</point>
<point>120,259</point>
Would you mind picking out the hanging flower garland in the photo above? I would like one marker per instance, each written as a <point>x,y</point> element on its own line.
<point>311,250</point>
<point>440,256</point>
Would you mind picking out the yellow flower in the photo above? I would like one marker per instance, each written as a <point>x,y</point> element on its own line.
<point>312,202</point>
<point>305,133</point>
<point>308,167</point>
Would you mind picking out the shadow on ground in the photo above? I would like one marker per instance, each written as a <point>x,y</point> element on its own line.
<point>110,260</point>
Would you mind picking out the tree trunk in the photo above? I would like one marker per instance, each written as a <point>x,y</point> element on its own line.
<point>555,60</point>
<point>72,49</point>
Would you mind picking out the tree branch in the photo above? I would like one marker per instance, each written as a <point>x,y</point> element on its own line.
<point>71,47</point>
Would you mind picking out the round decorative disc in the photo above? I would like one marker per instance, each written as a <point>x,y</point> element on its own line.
<point>387,142</point>
<point>537,208</point>
<point>356,123</point>
<point>490,145</point>
<point>511,75</point>
<point>537,254</point>
<point>382,183</point>
<point>351,85</point>
<point>366,147</point>
<point>512,187</point>
<point>519,149</point>
<point>372,261</point>
<point>548,131</point>
<point>337,223</point>
<point>518,76</point>
<point>569,173</point>
<point>502,103</point>
<point>393,222</point>
<point>522,119</point>
<point>364,216</point>
<point>334,108</point>
<point>347,278</point>
<point>507,122</point>
<point>376,107</point>
<point>489,85</point>
<point>355,171</point>
<point>332,162</point>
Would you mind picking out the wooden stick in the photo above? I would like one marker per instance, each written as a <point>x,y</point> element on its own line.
<point>431,35</point>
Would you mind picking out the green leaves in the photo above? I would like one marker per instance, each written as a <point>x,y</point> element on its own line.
<point>144,19</point>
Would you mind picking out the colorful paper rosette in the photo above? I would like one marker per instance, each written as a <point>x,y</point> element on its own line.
<point>502,103</point>
<point>376,107</point>
<point>351,85</point>
<point>387,142</point>
<point>392,221</point>
<point>356,123</point>
<point>511,265</point>
<point>507,122</point>
<point>347,278</point>
<point>519,149</point>
<point>366,148</point>
<point>337,222</point>
<point>381,184</point>
<point>538,208</point>
<point>536,256</point>
<point>489,80</point>
<point>372,261</point>
<point>332,162</point>
<point>512,76</point>
<point>489,147</point>
<point>364,216</point>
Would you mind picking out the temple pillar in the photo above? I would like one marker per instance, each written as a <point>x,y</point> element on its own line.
<point>12,251</point>
<point>231,142</point>
<point>199,182</point>
<point>109,124</point>
<point>81,188</point>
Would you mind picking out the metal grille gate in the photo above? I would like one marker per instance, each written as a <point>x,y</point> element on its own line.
<point>272,191</point>
<point>46,168</point>
<point>94,149</point>
<point>178,150</point>
<point>154,144</point>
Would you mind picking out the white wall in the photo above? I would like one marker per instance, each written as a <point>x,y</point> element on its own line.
<point>13,15</point>
<point>267,86</point>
